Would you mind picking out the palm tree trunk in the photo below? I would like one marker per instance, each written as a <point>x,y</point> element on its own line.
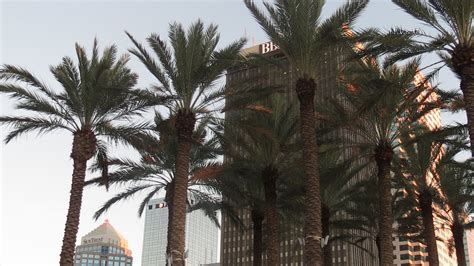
<point>426,201</point>
<point>185,122</point>
<point>270,176</point>
<point>463,64</point>
<point>326,214</point>
<point>73,213</point>
<point>257,220</point>
<point>305,89</point>
<point>83,148</point>
<point>383,158</point>
<point>169,202</point>
<point>458,235</point>
<point>467,87</point>
<point>377,242</point>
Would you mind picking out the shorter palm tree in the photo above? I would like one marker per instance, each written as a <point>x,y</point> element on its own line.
<point>456,205</point>
<point>260,145</point>
<point>415,170</point>
<point>377,104</point>
<point>95,97</point>
<point>155,172</point>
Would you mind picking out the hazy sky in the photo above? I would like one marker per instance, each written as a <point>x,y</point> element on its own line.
<point>36,171</point>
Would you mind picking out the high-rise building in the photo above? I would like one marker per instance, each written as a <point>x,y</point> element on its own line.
<point>408,252</point>
<point>469,246</point>
<point>236,243</point>
<point>201,236</point>
<point>103,246</point>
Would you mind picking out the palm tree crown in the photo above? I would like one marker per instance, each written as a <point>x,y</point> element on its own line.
<point>94,95</point>
<point>189,66</point>
<point>451,36</point>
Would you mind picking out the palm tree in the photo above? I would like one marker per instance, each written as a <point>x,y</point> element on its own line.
<point>155,172</point>
<point>365,205</point>
<point>95,95</point>
<point>187,71</point>
<point>261,147</point>
<point>341,186</point>
<point>452,38</point>
<point>379,105</point>
<point>416,169</point>
<point>297,29</point>
<point>456,183</point>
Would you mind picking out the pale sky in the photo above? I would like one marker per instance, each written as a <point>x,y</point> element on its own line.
<point>35,172</point>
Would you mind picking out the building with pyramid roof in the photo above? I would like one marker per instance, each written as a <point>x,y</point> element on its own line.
<point>103,246</point>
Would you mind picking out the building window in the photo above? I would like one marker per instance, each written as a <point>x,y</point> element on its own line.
<point>404,247</point>
<point>404,256</point>
<point>104,250</point>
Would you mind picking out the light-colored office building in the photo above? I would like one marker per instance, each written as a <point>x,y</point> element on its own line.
<point>469,246</point>
<point>201,236</point>
<point>103,246</point>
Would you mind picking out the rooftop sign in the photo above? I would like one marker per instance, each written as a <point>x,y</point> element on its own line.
<point>268,47</point>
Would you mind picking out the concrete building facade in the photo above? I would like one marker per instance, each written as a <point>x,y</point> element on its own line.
<point>104,246</point>
<point>201,236</point>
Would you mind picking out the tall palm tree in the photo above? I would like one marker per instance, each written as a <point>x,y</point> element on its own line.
<point>296,28</point>
<point>155,172</point>
<point>187,71</point>
<point>379,105</point>
<point>452,38</point>
<point>95,96</point>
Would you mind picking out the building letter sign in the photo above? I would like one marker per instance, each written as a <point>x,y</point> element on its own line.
<point>268,47</point>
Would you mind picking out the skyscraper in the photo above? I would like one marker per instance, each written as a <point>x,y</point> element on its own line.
<point>201,236</point>
<point>236,244</point>
<point>103,246</point>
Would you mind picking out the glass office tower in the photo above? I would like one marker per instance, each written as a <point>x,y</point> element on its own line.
<point>201,236</point>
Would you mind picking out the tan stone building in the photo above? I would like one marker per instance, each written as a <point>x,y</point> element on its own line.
<point>103,246</point>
